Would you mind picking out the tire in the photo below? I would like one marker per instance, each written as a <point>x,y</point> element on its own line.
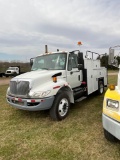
<point>109,136</point>
<point>1,74</point>
<point>60,108</point>
<point>100,87</point>
<point>14,74</point>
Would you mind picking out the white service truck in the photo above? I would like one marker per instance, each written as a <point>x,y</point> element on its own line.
<point>55,81</point>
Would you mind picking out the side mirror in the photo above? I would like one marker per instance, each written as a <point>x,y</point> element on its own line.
<point>80,66</point>
<point>80,58</point>
<point>80,61</point>
<point>31,62</point>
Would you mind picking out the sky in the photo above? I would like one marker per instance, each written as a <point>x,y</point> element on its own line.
<point>26,26</point>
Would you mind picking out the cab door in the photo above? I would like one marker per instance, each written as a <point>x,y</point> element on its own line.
<point>74,76</point>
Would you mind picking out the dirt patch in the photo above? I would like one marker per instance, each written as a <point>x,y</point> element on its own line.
<point>113,73</point>
<point>4,81</point>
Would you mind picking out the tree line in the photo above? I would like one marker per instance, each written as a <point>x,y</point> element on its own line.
<point>24,66</point>
<point>104,62</point>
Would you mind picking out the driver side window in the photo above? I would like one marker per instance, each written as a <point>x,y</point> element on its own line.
<point>72,61</point>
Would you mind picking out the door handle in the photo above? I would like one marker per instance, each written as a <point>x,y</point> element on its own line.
<point>71,72</point>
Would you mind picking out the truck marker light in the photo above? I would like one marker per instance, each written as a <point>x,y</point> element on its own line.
<point>56,87</point>
<point>19,99</point>
<point>54,79</point>
<point>32,100</point>
<point>83,83</point>
<point>111,87</point>
<point>79,43</point>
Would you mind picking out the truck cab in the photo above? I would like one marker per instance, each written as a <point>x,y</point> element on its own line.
<point>12,71</point>
<point>55,81</point>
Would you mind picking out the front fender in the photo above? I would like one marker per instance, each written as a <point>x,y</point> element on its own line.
<point>51,86</point>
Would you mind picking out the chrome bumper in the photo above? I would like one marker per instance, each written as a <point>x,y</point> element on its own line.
<point>111,126</point>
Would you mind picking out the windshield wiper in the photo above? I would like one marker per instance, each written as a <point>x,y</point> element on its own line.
<point>39,69</point>
<point>45,68</point>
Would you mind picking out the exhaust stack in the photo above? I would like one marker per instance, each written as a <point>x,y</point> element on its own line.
<point>46,49</point>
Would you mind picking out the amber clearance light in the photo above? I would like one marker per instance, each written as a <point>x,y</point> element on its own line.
<point>111,87</point>
<point>54,79</point>
<point>79,43</point>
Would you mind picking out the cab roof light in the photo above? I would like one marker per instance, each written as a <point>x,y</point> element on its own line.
<point>111,87</point>
<point>79,43</point>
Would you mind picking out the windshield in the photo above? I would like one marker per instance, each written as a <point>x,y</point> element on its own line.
<point>11,68</point>
<point>56,61</point>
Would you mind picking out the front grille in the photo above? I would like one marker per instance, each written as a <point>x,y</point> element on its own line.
<point>19,87</point>
<point>8,71</point>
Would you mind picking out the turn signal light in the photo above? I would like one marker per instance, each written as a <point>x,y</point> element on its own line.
<point>111,87</point>
<point>54,79</point>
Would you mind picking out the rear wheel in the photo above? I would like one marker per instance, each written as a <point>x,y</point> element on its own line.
<point>109,136</point>
<point>100,87</point>
<point>60,108</point>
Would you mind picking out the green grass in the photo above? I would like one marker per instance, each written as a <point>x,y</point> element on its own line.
<point>112,79</point>
<point>113,71</point>
<point>33,135</point>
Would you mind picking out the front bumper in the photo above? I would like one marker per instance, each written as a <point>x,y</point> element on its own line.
<point>10,74</point>
<point>111,126</point>
<point>31,104</point>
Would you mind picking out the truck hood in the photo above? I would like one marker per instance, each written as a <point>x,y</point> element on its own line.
<point>38,78</point>
<point>37,74</point>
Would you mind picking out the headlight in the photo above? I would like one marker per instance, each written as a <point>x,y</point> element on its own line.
<point>39,94</point>
<point>8,91</point>
<point>113,104</point>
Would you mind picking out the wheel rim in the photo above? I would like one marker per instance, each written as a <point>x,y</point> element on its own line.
<point>101,88</point>
<point>63,107</point>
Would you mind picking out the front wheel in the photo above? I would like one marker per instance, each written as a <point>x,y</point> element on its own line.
<point>60,108</point>
<point>109,136</point>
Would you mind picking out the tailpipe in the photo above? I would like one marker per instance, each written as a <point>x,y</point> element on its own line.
<point>46,49</point>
